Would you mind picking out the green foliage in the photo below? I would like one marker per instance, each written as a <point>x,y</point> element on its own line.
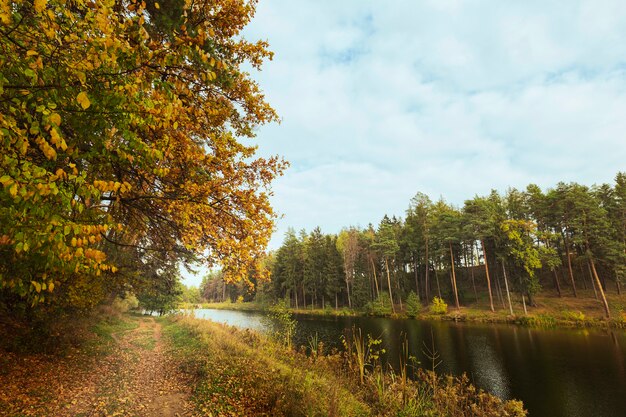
<point>413,305</point>
<point>362,353</point>
<point>539,320</point>
<point>116,162</point>
<point>381,306</point>
<point>439,306</point>
<point>281,324</point>
<point>575,316</point>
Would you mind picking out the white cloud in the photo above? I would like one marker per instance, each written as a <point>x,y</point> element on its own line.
<point>383,99</point>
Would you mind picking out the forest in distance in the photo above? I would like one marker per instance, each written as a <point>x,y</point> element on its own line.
<point>562,240</point>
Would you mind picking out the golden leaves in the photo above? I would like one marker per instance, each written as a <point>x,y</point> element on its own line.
<point>40,5</point>
<point>5,12</point>
<point>55,118</point>
<point>153,151</point>
<point>83,100</point>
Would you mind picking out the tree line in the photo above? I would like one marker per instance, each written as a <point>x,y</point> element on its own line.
<point>490,250</point>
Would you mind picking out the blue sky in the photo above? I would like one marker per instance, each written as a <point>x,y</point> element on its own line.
<point>381,99</point>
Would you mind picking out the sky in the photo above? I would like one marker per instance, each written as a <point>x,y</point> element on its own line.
<point>382,99</point>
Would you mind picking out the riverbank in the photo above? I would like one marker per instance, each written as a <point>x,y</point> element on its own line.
<point>239,372</point>
<point>137,365</point>
<point>550,311</point>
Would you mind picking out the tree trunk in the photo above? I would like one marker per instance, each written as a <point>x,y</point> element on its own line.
<point>506,285</point>
<point>580,267</point>
<point>482,242</point>
<point>557,285</point>
<point>296,293</point>
<point>472,270</point>
<point>348,291</point>
<point>499,289</point>
<point>303,297</point>
<point>437,279</point>
<point>456,293</point>
<point>595,275</point>
<point>427,287</point>
<point>389,283</point>
<point>336,302</point>
<point>569,264</point>
<point>417,285</point>
<point>524,304</point>
<point>595,292</point>
<point>375,280</point>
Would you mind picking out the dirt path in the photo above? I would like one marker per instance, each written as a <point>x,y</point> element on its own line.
<point>147,383</point>
<point>137,378</point>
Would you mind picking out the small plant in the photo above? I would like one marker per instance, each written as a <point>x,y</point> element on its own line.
<point>362,354</point>
<point>381,306</point>
<point>240,299</point>
<point>576,316</point>
<point>540,320</point>
<point>413,305</point>
<point>281,323</point>
<point>439,306</point>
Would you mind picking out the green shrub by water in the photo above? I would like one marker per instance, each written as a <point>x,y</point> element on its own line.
<point>379,307</point>
<point>413,305</point>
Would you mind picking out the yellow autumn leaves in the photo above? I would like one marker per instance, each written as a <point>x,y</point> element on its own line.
<point>119,121</point>
<point>83,100</point>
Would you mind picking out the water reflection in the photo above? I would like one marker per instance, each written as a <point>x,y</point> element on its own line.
<point>555,372</point>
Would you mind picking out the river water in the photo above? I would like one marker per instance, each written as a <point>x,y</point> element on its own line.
<point>562,372</point>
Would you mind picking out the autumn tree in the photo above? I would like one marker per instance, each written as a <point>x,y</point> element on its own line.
<point>127,124</point>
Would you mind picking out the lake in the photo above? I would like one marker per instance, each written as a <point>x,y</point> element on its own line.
<point>556,372</point>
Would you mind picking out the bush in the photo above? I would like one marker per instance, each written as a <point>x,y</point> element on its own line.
<point>439,306</point>
<point>413,305</point>
<point>540,320</point>
<point>281,323</point>
<point>380,306</point>
<point>576,316</point>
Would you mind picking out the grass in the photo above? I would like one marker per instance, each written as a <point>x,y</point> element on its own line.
<point>239,372</point>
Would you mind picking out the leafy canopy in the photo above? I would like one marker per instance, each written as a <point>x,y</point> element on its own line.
<point>123,125</point>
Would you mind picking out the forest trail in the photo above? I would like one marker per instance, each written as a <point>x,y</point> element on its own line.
<point>135,378</point>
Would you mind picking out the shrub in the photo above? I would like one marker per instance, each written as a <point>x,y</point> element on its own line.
<point>240,299</point>
<point>577,316</point>
<point>281,323</point>
<point>413,305</point>
<point>381,306</point>
<point>540,320</point>
<point>439,306</point>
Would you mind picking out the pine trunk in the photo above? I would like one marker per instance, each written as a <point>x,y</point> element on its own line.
<point>482,242</point>
<point>569,264</point>
<point>427,287</point>
<point>595,292</point>
<point>472,271</point>
<point>417,286</point>
<point>557,285</point>
<point>437,279</point>
<point>389,283</point>
<point>506,285</point>
<point>607,311</point>
<point>456,293</point>
<point>375,280</point>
